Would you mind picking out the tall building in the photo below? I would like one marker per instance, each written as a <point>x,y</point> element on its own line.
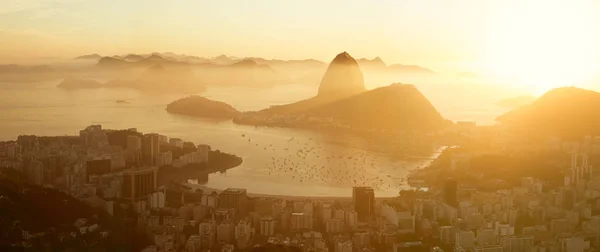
<point>225,232</point>
<point>364,202</point>
<point>134,149</point>
<point>150,148</point>
<point>447,234</point>
<point>465,240</point>
<point>93,136</point>
<point>450,192</point>
<point>301,222</point>
<point>243,234</point>
<point>176,142</point>
<point>36,172</point>
<point>233,198</point>
<point>207,232</point>
<point>138,183</point>
<point>267,226</point>
<point>343,246</point>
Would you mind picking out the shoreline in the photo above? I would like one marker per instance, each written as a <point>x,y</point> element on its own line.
<point>437,154</point>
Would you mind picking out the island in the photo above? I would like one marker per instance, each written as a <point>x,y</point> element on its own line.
<point>202,107</point>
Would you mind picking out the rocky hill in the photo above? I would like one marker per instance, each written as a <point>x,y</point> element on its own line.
<point>566,111</point>
<point>202,107</point>
<point>343,102</point>
<point>394,107</point>
<point>342,79</point>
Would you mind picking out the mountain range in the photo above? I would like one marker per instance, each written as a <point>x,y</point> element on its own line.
<point>343,101</point>
<point>377,64</point>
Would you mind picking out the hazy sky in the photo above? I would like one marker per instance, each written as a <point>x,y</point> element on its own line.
<point>431,32</point>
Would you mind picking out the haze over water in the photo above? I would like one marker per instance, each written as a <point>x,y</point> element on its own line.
<point>272,161</point>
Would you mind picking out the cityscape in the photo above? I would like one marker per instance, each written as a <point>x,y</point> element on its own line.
<point>300,126</point>
<point>115,172</point>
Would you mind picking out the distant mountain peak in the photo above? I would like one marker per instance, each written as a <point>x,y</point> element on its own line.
<point>155,56</point>
<point>246,63</point>
<point>343,57</point>
<point>89,56</point>
<point>343,78</point>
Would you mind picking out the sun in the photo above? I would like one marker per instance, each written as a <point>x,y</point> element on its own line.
<point>541,45</point>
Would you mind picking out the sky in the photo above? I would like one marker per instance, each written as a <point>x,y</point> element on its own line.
<point>492,36</point>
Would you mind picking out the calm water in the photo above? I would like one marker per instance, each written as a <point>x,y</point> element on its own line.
<point>276,160</point>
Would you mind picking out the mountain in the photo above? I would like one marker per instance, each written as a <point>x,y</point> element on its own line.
<point>112,62</point>
<point>394,107</point>
<point>566,111</point>
<point>202,107</point>
<point>133,57</point>
<point>223,60</point>
<point>73,83</point>
<point>343,78</point>
<point>343,102</point>
<point>94,56</point>
<point>374,63</point>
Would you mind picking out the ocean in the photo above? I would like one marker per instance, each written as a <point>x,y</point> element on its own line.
<point>280,161</point>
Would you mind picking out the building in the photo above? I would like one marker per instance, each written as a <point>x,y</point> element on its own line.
<point>93,136</point>
<point>492,248</point>
<point>193,244</point>
<point>334,226</point>
<point>243,234</point>
<point>465,239</point>
<point>150,148</point>
<point>157,200</point>
<point>134,150</point>
<point>486,237</point>
<point>138,183</point>
<point>450,192</point>
<point>267,226</point>
<point>97,167</point>
<point>447,234</point>
<point>350,218</point>
<point>163,159</point>
<point>225,232</point>
<point>301,222</point>
<point>233,198</point>
<point>343,246</point>
<point>176,142</point>
<point>364,202</point>
<point>36,172</point>
<point>361,239</point>
<point>406,222</point>
<point>207,231</point>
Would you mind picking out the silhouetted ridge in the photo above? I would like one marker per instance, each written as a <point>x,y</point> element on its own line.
<point>566,111</point>
<point>111,62</point>
<point>343,78</point>
<point>94,56</point>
